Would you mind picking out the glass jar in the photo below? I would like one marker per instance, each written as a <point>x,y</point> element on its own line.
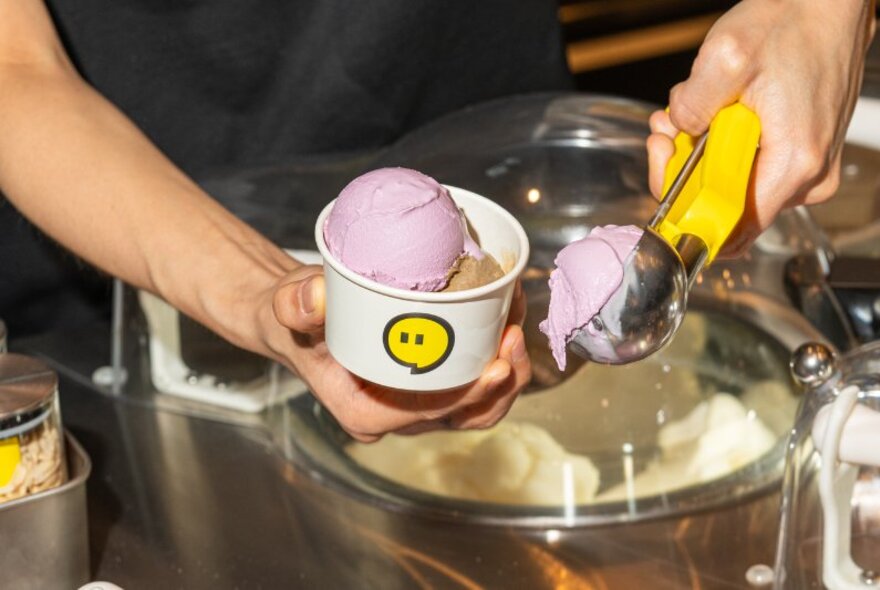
<point>31,443</point>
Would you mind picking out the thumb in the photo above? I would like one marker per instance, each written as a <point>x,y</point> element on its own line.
<point>299,300</point>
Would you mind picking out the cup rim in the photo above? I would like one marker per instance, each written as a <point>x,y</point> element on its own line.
<point>433,296</point>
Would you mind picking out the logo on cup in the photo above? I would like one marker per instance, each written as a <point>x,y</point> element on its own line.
<point>420,341</point>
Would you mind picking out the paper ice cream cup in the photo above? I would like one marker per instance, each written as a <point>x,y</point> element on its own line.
<point>424,341</point>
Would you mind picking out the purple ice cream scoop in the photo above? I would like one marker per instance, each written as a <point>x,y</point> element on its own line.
<point>587,274</point>
<point>400,228</point>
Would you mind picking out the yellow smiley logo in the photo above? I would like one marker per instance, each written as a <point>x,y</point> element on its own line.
<point>419,341</point>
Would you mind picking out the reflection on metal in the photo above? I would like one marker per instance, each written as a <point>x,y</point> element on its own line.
<point>812,364</point>
<point>680,537</point>
<point>409,559</point>
<point>759,575</point>
<point>558,574</point>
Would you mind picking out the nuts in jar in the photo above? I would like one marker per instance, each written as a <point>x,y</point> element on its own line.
<point>31,443</point>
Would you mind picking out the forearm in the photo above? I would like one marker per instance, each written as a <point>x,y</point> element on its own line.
<point>82,172</point>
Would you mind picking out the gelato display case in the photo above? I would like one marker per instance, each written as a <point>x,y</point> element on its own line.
<point>628,433</point>
<point>663,474</point>
<point>673,457</point>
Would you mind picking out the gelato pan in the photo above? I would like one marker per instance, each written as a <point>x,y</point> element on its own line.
<point>518,462</point>
<point>513,463</point>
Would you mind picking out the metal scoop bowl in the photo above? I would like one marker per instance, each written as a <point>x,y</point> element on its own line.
<point>646,310</point>
<point>644,313</point>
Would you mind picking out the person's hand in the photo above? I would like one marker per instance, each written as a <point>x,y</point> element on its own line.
<point>798,65</point>
<point>367,411</point>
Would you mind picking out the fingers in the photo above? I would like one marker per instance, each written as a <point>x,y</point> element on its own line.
<point>718,77</point>
<point>660,151</point>
<point>487,413</point>
<point>517,313</point>
<point>372,411</point>
<point>783,178</point>
<point>739,242</point>
<point>661,123</point>
<point>299,302</point>
<point>827,187</point>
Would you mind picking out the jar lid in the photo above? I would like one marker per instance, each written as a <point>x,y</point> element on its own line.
<point>26,386</point>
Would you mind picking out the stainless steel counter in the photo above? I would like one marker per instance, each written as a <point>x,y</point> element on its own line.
<point>177,501</point>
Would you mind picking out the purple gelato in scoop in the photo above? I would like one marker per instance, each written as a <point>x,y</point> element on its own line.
<point>587,274</point>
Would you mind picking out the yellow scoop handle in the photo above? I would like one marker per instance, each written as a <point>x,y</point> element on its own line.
<point>713,200</point>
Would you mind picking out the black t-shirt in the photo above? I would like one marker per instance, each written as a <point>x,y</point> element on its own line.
<point>239,83</point>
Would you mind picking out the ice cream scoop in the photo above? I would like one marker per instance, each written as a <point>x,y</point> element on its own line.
<point>588,272</point>
<point>400,228</point>
<point>707,180</point>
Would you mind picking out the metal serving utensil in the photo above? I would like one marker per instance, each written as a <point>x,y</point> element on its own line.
<point>648,307</point>
<point>690,225</point>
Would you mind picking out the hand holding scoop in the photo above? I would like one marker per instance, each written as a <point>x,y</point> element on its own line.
<point>703,201</point>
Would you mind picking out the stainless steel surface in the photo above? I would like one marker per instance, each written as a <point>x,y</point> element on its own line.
<point>44,537</point>
<point>812,364</point>
<point>693,253</point>
<point>2,337</point>
<point>177,501</point>
<point>27,385</point>
<point>644,312</point>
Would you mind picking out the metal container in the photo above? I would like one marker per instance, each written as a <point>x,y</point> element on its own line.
<point>31,439</point>
<point>45,536</point>
<point>42,511</point>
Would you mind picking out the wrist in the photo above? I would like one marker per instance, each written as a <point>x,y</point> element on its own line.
<point>239,306</point>
<point>227,282</point>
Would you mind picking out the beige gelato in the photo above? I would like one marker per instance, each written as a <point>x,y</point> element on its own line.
<point>512,463</point>
<point>42,463</point>
<point>471,273</point>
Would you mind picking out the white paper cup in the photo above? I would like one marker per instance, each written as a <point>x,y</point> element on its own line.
<point>424,341</point>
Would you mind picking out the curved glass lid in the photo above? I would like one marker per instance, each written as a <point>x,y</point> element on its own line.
<point>700,424</point>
